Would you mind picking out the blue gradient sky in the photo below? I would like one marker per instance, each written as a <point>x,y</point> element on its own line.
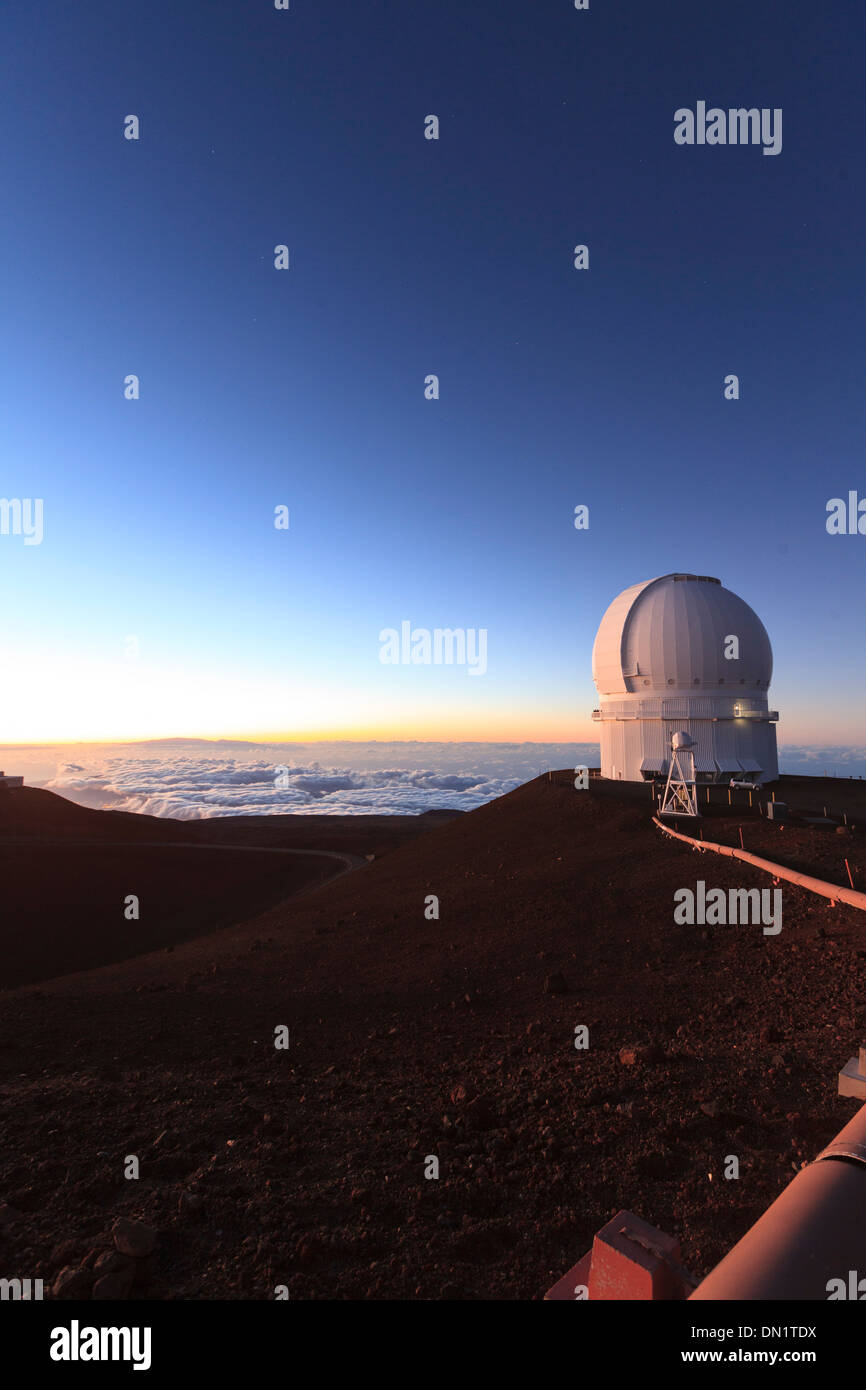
<point>408,257</point>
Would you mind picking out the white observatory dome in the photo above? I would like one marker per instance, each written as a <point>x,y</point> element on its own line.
<point>682,653</point>
<point>672,633</point>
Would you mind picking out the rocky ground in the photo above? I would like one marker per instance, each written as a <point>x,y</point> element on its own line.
<point>820,851</point>
<point>413,1038</point>
<point>68,871</point>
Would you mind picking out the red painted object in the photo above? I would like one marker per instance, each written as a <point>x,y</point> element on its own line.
<point>630,1260</point>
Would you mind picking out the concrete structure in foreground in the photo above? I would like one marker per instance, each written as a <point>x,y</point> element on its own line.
<point>10,781</point>
<point>683,654</point>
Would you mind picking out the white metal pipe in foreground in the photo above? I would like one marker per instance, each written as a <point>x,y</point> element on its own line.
<point>814,885</point>
<point>811,1238</point>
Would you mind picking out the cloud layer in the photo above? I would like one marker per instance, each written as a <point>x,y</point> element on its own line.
<point>179,780</point>
<point>193,778</point>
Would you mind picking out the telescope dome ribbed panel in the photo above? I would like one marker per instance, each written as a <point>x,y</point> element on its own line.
<point>672,633</point>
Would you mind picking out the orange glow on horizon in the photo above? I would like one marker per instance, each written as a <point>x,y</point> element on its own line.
<point>504,730</point>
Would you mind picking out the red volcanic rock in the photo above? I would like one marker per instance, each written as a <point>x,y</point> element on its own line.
<point>114,1286</point>
<point>71,1283</point>
<point>480,1114</point>
<point>25,1199</point>
<point>134,1238</point>
<point>556,984</point>
<point>111,1262</point>
<point>97,857</point>
<point>190,1204</point>
<point>330,1189</point>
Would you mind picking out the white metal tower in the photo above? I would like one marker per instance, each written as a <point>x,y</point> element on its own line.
<point>680,798</point>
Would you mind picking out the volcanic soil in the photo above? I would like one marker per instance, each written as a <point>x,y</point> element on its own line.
<point>414,1037</point>
<point>68,872</point>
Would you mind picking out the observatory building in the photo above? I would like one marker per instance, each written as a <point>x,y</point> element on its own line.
<point>682,654</point>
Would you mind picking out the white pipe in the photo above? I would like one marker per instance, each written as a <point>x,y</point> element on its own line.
<point>814,885</point>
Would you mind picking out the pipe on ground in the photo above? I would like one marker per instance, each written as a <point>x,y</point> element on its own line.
<point>814,1233</point>
<point>814,885</point>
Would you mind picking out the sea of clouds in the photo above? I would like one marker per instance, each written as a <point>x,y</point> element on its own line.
<point>187,779</point>
<point>191,778</point>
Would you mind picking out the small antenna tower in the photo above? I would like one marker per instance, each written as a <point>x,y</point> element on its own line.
<point>681,797</point>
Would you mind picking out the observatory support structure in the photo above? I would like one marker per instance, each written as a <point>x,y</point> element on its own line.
<point>681,797</point>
